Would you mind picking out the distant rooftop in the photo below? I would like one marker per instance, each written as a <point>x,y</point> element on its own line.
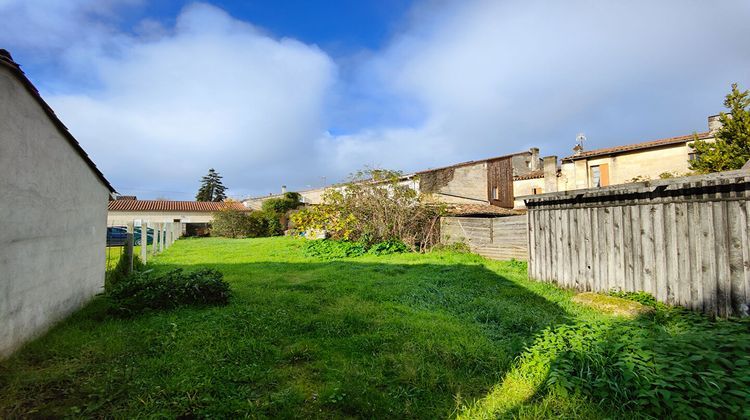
<point>167,205</point>
<point>638,146</point>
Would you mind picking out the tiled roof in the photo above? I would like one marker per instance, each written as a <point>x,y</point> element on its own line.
<point>480,209</point>
<point>639,146</point>
<point>530,175</point>
<point>7,61</point>
<point>166,205</point>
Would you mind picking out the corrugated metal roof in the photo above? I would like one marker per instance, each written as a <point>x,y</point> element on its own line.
<point>638,146</point>
<point>7,61</point>
<point>167,205</point>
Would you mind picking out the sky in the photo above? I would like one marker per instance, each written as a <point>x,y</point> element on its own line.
<point>302,93</point>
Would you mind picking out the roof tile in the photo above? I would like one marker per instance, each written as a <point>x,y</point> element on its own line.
<point>167,205</point>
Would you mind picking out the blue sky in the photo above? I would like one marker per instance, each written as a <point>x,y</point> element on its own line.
<point>288,92</point>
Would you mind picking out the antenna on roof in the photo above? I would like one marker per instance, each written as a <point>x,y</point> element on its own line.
<point>580,138</point>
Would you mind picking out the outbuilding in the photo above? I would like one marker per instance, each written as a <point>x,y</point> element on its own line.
<point>53,214</point>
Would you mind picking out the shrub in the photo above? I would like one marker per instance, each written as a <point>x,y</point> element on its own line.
<point>232,223</point>
<point>119,273</point>
<point>376,206</point>
<point>276,212</point>
<point>147,291</point>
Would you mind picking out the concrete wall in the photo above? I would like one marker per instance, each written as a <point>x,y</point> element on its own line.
<point>623,168</point>
<point>468,185</point>
<point>53,213</point>
<point>522,187</point>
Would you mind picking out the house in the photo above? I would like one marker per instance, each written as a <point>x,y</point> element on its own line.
<point>624,164</point>
<point>486,182</point>
<point>53,213</point>
<point>194,216</point>
<point>478,187</point>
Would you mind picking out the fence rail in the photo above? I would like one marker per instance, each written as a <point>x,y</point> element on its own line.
<point>683,240</point>
<point>500,238</point>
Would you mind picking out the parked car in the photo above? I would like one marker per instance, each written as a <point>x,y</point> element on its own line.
<point>116,235</point>
<point>149,235</point>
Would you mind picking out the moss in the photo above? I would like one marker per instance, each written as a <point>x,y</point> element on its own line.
<point>611,305</point>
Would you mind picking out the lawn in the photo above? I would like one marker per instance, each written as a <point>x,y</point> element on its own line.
<point>421,336</point>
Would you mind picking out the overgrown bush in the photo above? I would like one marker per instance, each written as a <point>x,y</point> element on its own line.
<point>232,223</point>
<point>671,364</point>
<point>277,210</point>
<point>376,206</point>
<point>120,271</point>
<point>147,291</point>
<point>330,249</point>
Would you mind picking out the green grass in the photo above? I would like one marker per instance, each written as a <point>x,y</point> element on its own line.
<point>406,335</point>
<point>113,254</point>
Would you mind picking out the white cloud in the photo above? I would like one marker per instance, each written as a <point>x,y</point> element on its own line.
<point>497,77</point>
<point>214,93</point>
<point>158,105</point>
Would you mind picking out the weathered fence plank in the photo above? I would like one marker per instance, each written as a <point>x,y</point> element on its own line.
<point>683,240</point>
<point>501,238</point>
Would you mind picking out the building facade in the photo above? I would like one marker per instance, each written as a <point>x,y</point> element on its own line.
<point>650,160</point>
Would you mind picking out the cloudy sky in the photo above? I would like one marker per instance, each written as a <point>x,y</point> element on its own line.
<point>294,92</point>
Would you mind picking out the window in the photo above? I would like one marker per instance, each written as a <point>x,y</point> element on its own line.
<point>599,175</point>
<point>536,190</point>
<point>692,156</point>
<point>495,193</point>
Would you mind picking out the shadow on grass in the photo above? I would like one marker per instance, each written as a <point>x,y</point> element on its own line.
<point>670,363</point>
<point>313,339</point>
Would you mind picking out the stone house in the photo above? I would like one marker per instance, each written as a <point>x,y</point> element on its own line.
<point>475,187</point>
<point>53,214</point>
<point>629,163</point>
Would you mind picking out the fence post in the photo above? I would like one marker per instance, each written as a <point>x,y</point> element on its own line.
<point>161,237</point>
<point>129,248</point>
<point>144,240</point>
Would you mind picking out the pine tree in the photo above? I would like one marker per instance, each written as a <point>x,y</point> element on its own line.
<point>731,149</point>
<point>211,187</point>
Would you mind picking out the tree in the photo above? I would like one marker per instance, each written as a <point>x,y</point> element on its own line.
<point>731,149</point>
<point>211,187</point>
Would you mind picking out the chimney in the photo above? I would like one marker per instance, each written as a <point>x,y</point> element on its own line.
<point>550,174</point>
<point>534,163</point>
<point>283,189</point>
<point>714,124</point>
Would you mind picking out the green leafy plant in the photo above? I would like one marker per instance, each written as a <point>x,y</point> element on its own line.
<point>672,364</point>
<point>147,291</point>
<point>330,249</point>
<point>392,246</point>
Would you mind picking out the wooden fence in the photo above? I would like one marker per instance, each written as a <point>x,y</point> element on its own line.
<point>683,240</point>
<point>500,238</point>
